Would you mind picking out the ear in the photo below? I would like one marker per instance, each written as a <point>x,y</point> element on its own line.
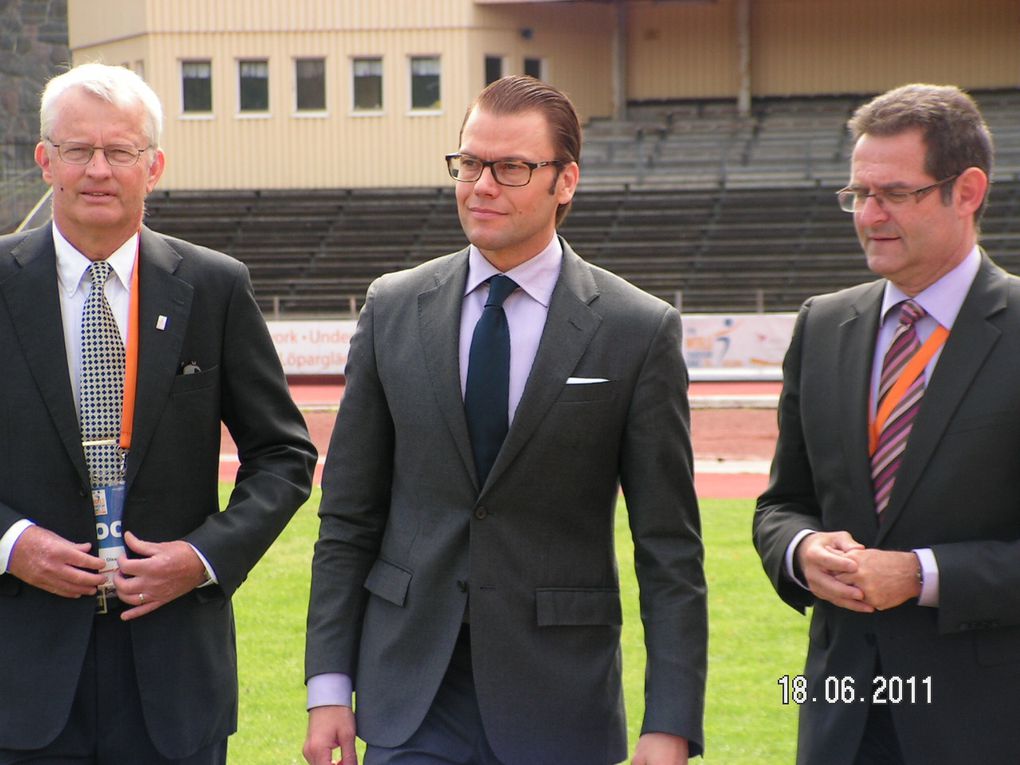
<point>566,184</point>
<point>156,169</point>
<point>970,190</point>
<point>42,158</point>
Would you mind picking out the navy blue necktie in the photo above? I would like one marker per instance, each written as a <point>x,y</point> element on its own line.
<point>488,380</point>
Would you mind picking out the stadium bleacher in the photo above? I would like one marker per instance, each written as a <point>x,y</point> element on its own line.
<point>693,202</point>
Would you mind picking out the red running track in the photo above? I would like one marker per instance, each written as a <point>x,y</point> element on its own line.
<point>732,445</point>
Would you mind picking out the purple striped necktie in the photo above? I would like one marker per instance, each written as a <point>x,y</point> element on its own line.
<point>892,441</point>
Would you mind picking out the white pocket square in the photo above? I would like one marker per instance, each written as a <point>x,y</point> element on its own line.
<point>585,380</point>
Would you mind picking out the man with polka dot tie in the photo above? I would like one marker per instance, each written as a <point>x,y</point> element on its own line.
<point>122,352</point>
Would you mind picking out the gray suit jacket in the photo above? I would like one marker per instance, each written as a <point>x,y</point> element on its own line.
<point>957,492</point>
<point>408,537</point>
<point>184,653</point>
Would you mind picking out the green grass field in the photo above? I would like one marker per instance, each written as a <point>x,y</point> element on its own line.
<point>754,639</point>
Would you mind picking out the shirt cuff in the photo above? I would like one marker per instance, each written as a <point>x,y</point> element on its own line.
<point>210,575</point>
<point>330,689</point>
<point>8,540</point>
<point>789,555</point>
<point>930,578</point>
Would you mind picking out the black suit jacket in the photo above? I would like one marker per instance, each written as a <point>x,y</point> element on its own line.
<point>408,536</point>
<point>957,492</point>
<point>184,653</point>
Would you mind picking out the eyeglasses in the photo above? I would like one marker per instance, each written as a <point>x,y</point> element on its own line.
<point>506,172</point>
<point>853,199</point>
<point>82,153</point>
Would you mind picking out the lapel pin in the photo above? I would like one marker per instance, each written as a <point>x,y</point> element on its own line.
<point>161,323</point>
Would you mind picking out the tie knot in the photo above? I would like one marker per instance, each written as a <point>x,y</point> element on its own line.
<point>500,287</point>
<point>98,272</point>
<point>910,313</point>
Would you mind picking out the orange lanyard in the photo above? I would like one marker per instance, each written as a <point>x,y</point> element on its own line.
<point>127,416</point>
<point>910,372</point>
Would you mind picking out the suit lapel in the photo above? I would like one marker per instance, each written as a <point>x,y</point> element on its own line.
<point>439,309</point>
<point>972,338</point>
<point>161,293</point>
<point>569,328</point>
<point>31,297</point>
<point>856,350</point>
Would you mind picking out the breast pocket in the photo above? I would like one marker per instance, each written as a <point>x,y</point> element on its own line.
<point>581,393</point>
<point>982,422</point>
<point>195,381</point>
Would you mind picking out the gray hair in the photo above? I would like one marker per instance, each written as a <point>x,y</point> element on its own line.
<point>114,84</point>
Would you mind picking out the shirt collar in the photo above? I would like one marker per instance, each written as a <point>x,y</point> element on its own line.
<point>536,276</point>
<point>72,265</point>
<point>943,299</point>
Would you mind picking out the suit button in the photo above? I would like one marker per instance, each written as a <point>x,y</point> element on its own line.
<point>481,512</point>
<point>462,585</point>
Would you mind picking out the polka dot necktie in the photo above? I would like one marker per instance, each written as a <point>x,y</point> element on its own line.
<point>102,383</point>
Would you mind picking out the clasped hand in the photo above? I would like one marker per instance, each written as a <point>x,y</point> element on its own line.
<point>162,571</point>
<point>841,570</point>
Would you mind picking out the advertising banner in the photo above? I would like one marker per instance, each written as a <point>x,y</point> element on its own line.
<point>716,346</point>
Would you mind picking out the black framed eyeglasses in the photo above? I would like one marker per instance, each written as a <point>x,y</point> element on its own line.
<point>506,172</point>
<point>853,199</point>
<point>81,153</point>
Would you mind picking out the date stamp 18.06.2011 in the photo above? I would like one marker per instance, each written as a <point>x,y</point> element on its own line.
<point>794,689</point>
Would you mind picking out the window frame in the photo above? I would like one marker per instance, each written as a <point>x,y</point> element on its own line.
<point>367,110</point>
<point>436,107</point>
<point>311,111</point>
<point>492,58</point>
<point>543,67</point>
<point>195,113</point>
<point>241,110</point>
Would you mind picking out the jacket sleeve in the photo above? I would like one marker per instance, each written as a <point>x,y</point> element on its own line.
<point>656,474</point>
<point>789,504</point>
<point>354,509</point>
<point>276,456</point>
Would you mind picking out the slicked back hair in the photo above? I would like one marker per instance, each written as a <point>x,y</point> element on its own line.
<point>519,93</point>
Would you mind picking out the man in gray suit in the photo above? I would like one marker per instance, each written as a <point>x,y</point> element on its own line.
<point>893,503</point>
<point>465,582</point>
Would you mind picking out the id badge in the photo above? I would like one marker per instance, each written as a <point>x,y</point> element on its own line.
<point>108,503</point>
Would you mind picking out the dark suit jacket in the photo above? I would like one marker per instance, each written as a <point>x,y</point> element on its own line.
<point>957,492</point>
<point>184,653</point>
<point>408,536</point>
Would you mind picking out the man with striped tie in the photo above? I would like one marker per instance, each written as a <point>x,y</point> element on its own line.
<point>893,502</point>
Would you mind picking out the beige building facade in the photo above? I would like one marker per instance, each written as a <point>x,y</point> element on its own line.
<point>370,93</point>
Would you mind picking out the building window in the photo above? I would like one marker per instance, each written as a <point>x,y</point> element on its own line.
<point>253,86</point>
<point>533,67</point>
<point>367,86</point>
<point>196,86</point>
<point>310,76</point>
<point>493,69</point>
<point>425,83</point>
